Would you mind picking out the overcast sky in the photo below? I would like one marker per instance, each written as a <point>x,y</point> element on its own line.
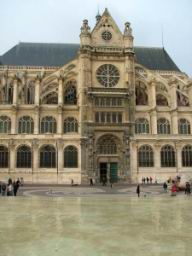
<point>59,21</point>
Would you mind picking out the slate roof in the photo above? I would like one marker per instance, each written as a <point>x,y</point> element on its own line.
<point>50,54</point>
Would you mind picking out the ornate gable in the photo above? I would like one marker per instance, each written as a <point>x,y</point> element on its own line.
<point>106,32</point>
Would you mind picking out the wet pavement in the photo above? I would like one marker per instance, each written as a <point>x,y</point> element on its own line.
<point>86,221</point>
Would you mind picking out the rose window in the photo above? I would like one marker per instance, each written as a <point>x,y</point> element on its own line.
<point>107,75</point>
<point>106,35</point>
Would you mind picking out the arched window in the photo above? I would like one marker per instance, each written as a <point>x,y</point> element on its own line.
<point>70,125</point>
<point>5,124</point>
<point>4,157</point>
<point>26,125</point>
<point>7,93</point>
<point>47,157</point>
<point>187,156</point>
<point>145,156</point>
<point>51,99</point>
<point>30,93</point>
<point>163,126</point>
<point>24,156</point>
<point>141,94</point>
<point>48,125</point>
<point>167,156</point>
<point>70,157</point>
<point>107,146</point>
<point>70,96</point>
<point>161,100</point>
<point>184,126</point>
<point>141,126</point>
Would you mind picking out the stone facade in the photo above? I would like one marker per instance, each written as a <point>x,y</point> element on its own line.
<point>102,115</point>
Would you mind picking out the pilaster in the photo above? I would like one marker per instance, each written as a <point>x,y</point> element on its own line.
<point>153,122</point>
<point>174,120</point>
<point>35,155</point>
<point>12,153</point>
<point>15,91</point>
<point>37,91</point>
<point>60,91</point>
<point>60,120</point>
<point>60,146</point>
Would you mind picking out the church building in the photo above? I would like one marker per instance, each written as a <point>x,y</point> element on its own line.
<point>103,109</point>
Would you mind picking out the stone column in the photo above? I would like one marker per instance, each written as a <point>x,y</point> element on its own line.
<point>35,155</point>
<point>133,159</point>
<point>152,99</point>
<point>153,122</point>
<point>157,157</point>
<point>178,156</point>
<point>174,120</point>
<point>36,120</point>
<point>15,93</point>
<point>12,156</point>
<point>60,164</point>
<point>14,120</point>
<point>60,91</point>
<point>173,93</point>
<point>60,120</point>
<point>37,91</point>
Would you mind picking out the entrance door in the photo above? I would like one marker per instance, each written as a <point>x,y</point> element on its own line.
<point>103,172</point>
<point>113,172</point>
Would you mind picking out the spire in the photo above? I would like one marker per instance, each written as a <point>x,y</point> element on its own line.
<point>106,12</point>
<point>98,17</point>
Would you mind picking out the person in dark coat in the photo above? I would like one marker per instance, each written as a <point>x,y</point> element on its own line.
<point>138,190</point>
<point>16,187</point>
<point>3,189</point>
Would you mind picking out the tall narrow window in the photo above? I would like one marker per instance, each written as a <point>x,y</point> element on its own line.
<point>70,157</point>
<point>141,126</point>
<point>187,156</point>
<point>48,125</point>
<point>5,124</point>
<point>168,156</point>
<point>163,126</point>
<point>24,156</point>
<point>70,125</point>
<point>26,125</point>
<point>4,157</point>
<point>47,157</point>
<point>184,126</point>
<point>161,100</point>
<point>145,156</point>
<point>70,96</point>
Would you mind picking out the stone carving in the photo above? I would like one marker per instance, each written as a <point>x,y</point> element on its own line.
<point>141,95</point>
<point>128,29</point>
<point>85,29</point>
<point>182,100</point>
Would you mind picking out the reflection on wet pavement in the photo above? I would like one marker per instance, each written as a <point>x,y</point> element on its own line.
<point>45,226</point>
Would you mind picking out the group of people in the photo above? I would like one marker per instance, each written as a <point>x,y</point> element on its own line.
<point>147,180</point>
<point>10,188</point>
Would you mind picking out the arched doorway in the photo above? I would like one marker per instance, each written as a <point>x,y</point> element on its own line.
<point>108,159</point>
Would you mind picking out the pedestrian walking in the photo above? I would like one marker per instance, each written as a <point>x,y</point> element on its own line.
<point>147,180</point>
<point>165,186</point>
<point>15,187</point>
<point>138,190</point>
<point>91,182</point>
<point>151,179</point>
<point>3,189</point>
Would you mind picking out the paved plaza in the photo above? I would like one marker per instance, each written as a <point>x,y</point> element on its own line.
<point>96,190</point>
<point>96,221</point>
